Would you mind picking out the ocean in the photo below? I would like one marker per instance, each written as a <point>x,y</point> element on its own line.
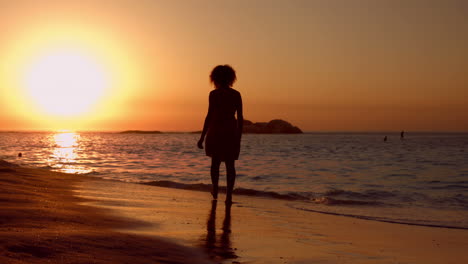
<point>420,180</point>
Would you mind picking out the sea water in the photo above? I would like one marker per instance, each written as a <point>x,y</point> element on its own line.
<point>421,179</point>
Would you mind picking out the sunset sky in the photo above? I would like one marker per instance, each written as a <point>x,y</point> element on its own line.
<point>322,65</point>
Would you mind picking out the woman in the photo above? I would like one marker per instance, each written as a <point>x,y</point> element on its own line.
<point>223,132</point>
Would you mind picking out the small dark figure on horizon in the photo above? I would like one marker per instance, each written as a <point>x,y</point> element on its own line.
<point>223,132</point>
<point>402,135</point>
<point>385,139</point>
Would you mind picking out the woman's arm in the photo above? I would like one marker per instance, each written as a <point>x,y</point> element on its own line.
<point>206,124</point>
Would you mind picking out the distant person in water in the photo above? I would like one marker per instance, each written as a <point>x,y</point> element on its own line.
<point>385,139</point>
<point>223,132</point>
<point>402,135</point>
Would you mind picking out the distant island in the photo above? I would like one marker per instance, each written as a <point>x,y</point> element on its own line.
<point>276,126</point>
<point>140,132</point>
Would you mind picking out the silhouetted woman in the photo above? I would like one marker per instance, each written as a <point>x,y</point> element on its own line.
<point>223,132</point>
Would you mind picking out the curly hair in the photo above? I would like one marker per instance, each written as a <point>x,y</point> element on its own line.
<point>223,75</point>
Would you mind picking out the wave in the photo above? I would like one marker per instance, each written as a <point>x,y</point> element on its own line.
<point>291,196</point>
<point>449,187</point>
<point>381,219</point>
<point>92,173</point>
<point>372,196</point>
<point>367,199</point>
<point>331,201</point>
<point>366,194</point>
<point>239,191</point>
<point>7,164</point>
<point>335,197</point>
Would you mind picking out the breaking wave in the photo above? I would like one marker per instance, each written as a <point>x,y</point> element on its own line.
<point>291,196</point>
<point>407,221</point>
<point>239,191</point>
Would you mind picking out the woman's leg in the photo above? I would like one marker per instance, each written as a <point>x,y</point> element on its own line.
<point>215,176</point>
<point>231,178</point>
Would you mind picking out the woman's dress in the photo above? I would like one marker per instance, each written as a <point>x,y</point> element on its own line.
<point>223,136</point>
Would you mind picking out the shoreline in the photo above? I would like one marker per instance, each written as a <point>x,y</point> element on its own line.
<point>258,230</point>
<point>66,218</point>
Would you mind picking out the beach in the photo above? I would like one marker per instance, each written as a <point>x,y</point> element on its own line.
<point>43,222</point>
<point>50,217</point>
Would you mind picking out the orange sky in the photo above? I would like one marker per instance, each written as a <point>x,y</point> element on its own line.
<point>322,65</point>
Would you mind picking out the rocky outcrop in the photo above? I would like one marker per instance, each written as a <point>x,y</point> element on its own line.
<point>276,126</point>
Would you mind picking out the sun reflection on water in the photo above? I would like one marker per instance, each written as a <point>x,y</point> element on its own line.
<point>66,140</point>
<point>64,156</point>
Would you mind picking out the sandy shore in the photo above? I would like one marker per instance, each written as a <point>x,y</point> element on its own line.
<point>41,221</point>
<point>260,230</point>
<point>60,218</point>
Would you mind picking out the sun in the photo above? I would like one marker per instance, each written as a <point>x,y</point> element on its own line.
<point>65,83</point>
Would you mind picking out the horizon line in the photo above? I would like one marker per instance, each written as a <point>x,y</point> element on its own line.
<point>199,131</point>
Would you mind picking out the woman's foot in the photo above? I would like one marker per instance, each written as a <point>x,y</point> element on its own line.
<point>228,200</point>
<point>215,195</point>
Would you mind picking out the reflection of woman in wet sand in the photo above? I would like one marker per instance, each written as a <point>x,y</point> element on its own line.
<point>219,248</point>
<point>223,132</point>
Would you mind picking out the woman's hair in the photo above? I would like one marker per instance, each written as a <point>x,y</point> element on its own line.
<point>223,75</point>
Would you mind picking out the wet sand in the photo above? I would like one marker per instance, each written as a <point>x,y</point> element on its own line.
<point>51,217</point>
<point>262,230</point>
<point>41,221</point>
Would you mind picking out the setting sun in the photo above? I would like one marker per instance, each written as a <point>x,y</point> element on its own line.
<point>67,75</point>
<point>65,83</point>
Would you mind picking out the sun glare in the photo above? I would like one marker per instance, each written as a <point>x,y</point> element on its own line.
<point>65,83</point>
<point>65,155</point>
<point>67,75</point>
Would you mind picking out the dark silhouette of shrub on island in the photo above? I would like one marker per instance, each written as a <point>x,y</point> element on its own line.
<point>276,126</point>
